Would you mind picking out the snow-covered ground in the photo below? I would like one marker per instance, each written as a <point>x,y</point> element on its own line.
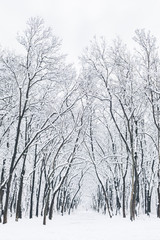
<point>82,226</point>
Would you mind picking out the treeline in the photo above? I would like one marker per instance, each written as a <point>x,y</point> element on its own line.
<point>57,128</point>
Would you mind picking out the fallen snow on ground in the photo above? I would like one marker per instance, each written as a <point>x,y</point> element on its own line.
<point>82,226</point>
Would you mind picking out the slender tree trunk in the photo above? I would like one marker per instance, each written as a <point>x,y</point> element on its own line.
<point>13,199</point>
<point>158,188</point>
<point>58,205</point>
<point>51,206</point>
<point>147,202</point>
<point>2,190</point>
<point>46,208</point>
<point>19,201</point>
<point>63,201</point>
<point>39,191</point>
<point>124,197</point>
<point>132,200</point>
<point>33,183</point>
<point>7,199</point>
<point>158,194</point>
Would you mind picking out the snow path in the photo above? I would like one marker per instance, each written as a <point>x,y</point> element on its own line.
<point>82,226</point>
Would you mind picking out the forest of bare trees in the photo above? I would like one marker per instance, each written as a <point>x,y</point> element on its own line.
<point>59,130</point>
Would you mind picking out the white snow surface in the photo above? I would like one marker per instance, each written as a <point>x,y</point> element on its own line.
<point>82,226</point>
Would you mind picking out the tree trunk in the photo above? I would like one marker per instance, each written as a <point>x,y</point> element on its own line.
<point>46,208</point>
<point>7,199</point>
<point>51,207</point>
<point>132,200</point>
<point>124,197</point>
<point>39,191</point>
<point>19,201</point>
<point>63,202</point>
<point>158,206</point>
<point>2,190</point>
<point>33,183</point>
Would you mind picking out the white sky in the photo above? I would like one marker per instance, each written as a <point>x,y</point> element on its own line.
<point>77,21</point>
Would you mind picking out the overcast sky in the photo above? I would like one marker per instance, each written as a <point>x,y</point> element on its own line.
<point>77,21</point>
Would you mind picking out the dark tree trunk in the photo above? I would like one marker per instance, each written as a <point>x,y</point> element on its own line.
<point>63,201</point>
<point>46,208</point>
<point>44,196</point>
<point>118,204</point>
<point>39,191</point>
<point>147,202</point>
<point>2,190</point>
<point>58,201</point>
<point>33,183</point>
<point>19,201</point>
<point>134,200</point>
<point>158,206</point>
<point>13,199</point>
<point>51,207</point>
<point>124,198</point>
<point>7,199</point>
